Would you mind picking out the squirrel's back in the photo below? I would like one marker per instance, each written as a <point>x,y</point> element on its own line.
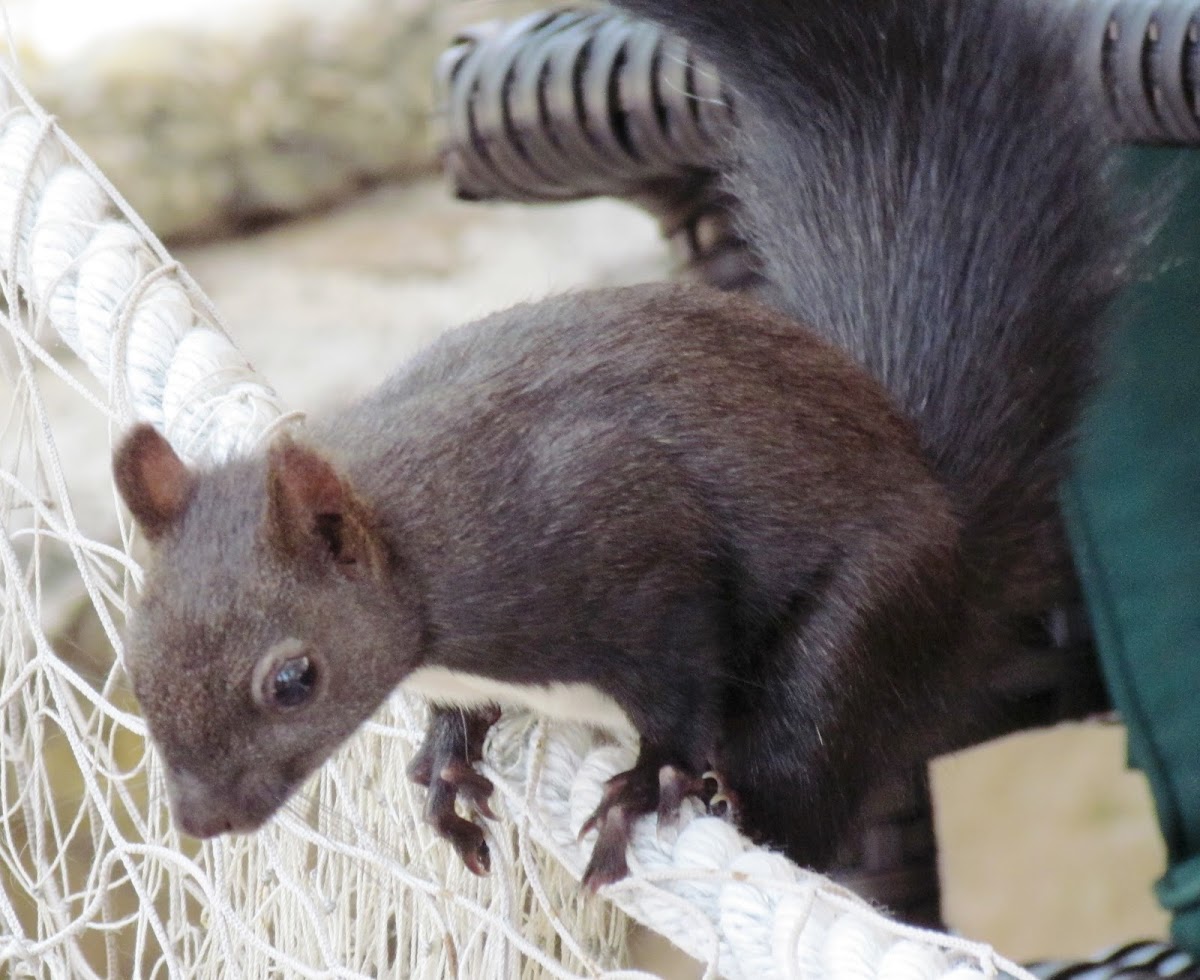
<point>925,185</point>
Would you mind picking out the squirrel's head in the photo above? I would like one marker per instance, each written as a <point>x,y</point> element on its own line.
<point>274,620</point>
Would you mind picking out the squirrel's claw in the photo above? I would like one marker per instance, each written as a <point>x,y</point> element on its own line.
<point>464,836</point>
<point>674,786</point>
<point>719,799</point>
<point>646,788</point>
<point>475,787</point>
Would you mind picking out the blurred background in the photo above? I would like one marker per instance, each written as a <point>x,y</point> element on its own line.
<point>286,150</point>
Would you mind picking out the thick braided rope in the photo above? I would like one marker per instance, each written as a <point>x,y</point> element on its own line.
<point>114,295</point>
<point>142,327</point>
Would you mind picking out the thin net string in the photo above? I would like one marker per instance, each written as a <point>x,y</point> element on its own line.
<point>348,881</point>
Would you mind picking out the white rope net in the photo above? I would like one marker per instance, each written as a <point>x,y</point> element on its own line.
<point>347,881</point>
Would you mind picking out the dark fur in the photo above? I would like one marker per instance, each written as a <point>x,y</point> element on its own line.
<point>772,563</point>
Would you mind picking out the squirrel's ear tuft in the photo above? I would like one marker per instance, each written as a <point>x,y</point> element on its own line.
<point>154,482</point>
<point>312,511</point>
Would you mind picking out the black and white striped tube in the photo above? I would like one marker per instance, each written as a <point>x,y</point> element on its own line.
<point>567,104</point>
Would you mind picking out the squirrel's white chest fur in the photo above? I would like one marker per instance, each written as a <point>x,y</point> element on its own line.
<point>566,702</point>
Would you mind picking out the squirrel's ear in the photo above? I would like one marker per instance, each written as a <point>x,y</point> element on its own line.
<point>154,482</point>
<point>312,511</point>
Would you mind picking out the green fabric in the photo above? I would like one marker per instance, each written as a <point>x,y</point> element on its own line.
<point>1133,509</point>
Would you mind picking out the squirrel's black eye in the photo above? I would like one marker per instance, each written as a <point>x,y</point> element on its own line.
<point>286,676</point>
<point>294,682</point>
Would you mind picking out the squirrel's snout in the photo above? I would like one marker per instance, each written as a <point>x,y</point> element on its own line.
<point>202,810</point>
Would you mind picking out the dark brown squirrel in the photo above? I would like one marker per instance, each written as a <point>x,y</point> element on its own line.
<point>780,553</point>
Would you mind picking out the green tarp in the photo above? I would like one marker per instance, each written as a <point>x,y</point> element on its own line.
<point>1133,507</point>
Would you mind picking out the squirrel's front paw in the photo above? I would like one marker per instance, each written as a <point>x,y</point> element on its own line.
<point>458,778</point>
<point>445,765</point>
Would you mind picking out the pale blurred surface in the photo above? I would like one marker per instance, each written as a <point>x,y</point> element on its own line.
<point>211,114</point>
<point>1049,846</point>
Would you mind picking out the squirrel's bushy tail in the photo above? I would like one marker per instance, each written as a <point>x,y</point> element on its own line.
<point>925,183</point>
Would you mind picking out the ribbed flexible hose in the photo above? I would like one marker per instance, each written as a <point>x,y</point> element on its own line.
<point>566,104</point>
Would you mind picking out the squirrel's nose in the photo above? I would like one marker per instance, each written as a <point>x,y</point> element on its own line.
<point>198,808</point>
<point>203,825</point>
